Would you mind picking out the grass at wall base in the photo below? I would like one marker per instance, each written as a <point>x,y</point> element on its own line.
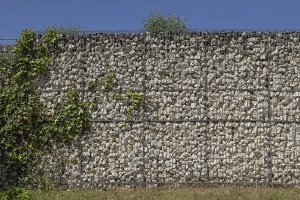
<point>26,131</point>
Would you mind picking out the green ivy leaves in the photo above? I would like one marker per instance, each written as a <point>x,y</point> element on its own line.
<point>26,131</point>
<point>135,101</point>
<point>69,119</point>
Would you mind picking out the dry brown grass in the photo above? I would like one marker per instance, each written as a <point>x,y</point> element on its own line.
<point>211,193</point>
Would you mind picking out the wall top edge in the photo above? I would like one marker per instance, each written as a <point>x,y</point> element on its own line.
<point>10,41</point>
<point>186,31</point>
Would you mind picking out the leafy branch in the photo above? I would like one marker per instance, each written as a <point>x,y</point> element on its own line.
<point>158,22</point>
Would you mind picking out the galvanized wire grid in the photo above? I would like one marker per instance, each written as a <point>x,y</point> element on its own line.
<point>271,126</point>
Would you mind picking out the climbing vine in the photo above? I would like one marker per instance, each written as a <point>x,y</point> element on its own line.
<point>133,100</point>
<point>106,82</point>
<point>26,131</point>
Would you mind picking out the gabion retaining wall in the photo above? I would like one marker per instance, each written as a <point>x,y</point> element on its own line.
<point>226,108</point>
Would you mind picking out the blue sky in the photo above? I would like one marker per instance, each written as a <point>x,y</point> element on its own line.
<point>94,15</point>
